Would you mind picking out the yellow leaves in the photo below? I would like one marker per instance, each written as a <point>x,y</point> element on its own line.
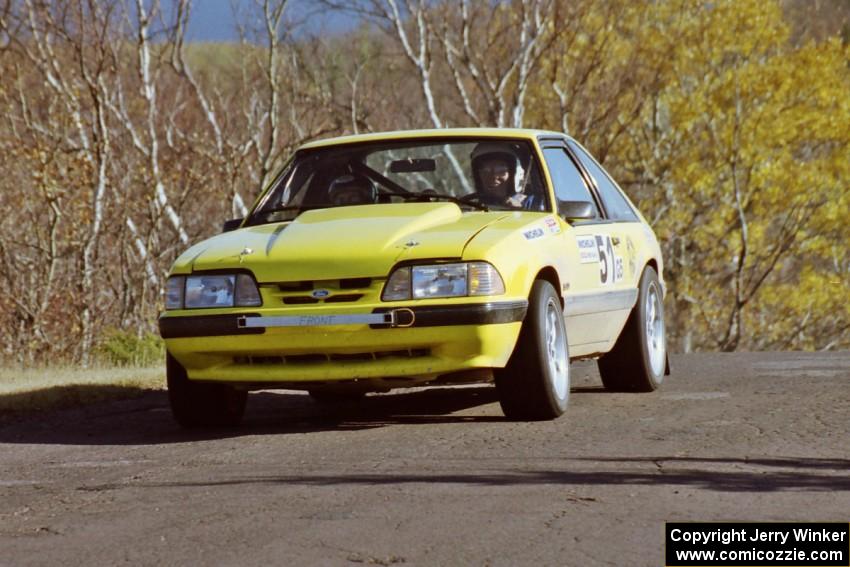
<point>737,108</point>
<point>809,307</point>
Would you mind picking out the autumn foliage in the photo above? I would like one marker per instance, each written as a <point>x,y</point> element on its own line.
<point>727,122</point>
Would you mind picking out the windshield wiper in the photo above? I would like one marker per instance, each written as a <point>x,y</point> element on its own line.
<point>470,200</point>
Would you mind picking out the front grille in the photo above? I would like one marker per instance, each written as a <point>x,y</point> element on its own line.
<point>352,357</point>
<point>258,359</point>
<point>336,357</point>
<point>299,300</point>
<point>354,283</point>
<point>305,358</point>
<point>346,290</point>
<point>342,298</point>
<point>306,299</point>
<point>295,286</point>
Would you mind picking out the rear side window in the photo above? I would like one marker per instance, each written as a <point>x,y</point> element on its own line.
<point>616,205</point>
<point>569,184</point>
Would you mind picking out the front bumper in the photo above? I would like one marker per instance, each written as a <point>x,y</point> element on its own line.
<point>297,346</point>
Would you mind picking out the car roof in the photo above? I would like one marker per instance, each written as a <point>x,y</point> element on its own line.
<point>513,133</point>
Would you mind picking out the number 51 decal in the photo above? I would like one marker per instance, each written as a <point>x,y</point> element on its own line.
<point>606,258</point>
<point>599,249</point>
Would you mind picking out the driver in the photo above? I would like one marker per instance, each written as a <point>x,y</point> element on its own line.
<point>499,176</point>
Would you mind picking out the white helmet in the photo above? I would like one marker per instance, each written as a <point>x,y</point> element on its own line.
<point>503,152</point>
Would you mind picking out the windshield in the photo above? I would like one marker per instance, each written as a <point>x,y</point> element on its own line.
<point>475,174</point>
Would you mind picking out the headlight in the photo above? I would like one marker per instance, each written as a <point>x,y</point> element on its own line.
<point>209,291</point>
<point>212,290</point>
<point>443,280</point>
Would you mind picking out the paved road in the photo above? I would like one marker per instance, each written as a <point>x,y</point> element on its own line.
<point>434,477</point>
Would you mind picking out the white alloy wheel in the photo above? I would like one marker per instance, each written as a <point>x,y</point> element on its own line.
<point>556,347</point>
<point>655,339</point>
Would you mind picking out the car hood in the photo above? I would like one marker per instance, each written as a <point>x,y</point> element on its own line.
<point>343,242</point>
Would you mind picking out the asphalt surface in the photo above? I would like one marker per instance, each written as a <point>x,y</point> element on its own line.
<point>434,477</point>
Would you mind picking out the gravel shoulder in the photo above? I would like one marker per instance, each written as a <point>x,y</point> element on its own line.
<point>33,391</point>
<point>434,477</point>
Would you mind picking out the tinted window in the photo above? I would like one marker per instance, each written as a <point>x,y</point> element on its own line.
<point>569,184</point>
<point>616,205</point>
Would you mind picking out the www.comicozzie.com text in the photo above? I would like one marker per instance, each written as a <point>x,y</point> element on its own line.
<point>726,536</point>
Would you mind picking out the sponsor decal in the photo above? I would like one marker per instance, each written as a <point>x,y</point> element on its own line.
<point>553,225</point>
<point>599,249</point>
<point>587,251</point>
<point>618,269</point>
<point>630,252</point>
<point>533,234</point>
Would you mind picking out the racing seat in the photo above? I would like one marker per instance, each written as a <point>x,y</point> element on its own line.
<point>352,189</point>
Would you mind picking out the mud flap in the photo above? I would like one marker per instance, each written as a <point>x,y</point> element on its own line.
<point>666,364</point>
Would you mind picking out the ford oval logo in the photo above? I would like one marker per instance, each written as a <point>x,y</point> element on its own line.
<point>320,293</point>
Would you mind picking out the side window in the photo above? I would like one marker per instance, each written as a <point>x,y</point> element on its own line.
<point>569,184</point>
<point>616,205</point>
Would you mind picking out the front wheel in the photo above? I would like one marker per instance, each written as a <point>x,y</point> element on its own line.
<point>535,384</point>
<point>637,362</point>
<point>198,404</point>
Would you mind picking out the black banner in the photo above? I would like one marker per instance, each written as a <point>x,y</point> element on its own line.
<point>743,544</point>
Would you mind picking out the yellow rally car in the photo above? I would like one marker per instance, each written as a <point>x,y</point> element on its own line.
<point>412,258</point>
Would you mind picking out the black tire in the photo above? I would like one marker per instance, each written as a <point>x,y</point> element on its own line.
<point>202,404</point>
<point>535,384</point>
<point>629,367</point>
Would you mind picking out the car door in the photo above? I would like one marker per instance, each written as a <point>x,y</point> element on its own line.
<point>619,235</point>
<point>587,243</point>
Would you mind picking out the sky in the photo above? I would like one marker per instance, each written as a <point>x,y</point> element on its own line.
<point>213,20</point>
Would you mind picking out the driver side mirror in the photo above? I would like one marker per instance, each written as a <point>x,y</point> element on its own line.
<point>231,224</point>
<point>576,210</point>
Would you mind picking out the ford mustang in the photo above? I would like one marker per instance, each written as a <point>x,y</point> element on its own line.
<point>419,258</point>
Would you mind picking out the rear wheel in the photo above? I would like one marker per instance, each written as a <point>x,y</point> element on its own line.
<point>200,404</point>
<point>535,384</point>
<point>638,360</point>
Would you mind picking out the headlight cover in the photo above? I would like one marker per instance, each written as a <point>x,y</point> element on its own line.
<point>443,280</point>
<point>440,280</point>
<point>212,290</point>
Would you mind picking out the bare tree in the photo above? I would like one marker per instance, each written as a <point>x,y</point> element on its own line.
<point>45,35</point>
<point>231,153</point>
<point>517,34</point>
